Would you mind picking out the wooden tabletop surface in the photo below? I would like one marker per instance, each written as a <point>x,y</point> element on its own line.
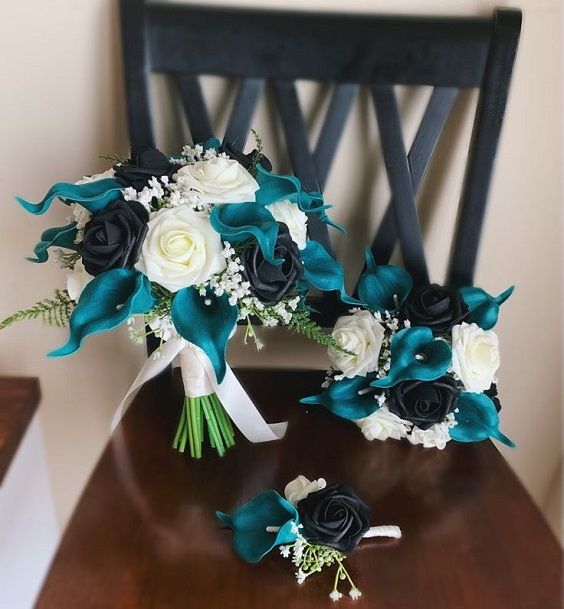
<point>144,535</point>
<point>19,398</point>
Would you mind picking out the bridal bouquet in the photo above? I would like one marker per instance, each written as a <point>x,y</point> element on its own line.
<point>417,362</point>
<point>193,245</point>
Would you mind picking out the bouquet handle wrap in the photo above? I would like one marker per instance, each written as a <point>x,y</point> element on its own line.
<point>198,375</point>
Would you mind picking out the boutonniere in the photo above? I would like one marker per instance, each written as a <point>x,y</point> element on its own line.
<point>416,362</point>
<point>314,525</point>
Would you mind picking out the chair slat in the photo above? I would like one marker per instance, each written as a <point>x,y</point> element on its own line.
<point>426,138</point>
<point>332,129</point>
<point>397,167</point>
<point>243,111</point>
<point>295,133</point>
<point>487,128</point>
<point>194,107</point>
<point>136,70</point>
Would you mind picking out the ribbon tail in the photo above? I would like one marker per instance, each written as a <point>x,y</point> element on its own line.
<point>240,407</point>
<point>151,368</point>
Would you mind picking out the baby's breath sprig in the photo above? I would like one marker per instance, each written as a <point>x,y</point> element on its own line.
<point>312,558</point>
<point>258,152</point>
<point>66,260</point>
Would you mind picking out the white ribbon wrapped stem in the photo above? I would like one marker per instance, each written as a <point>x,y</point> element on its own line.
<point>199,379</point>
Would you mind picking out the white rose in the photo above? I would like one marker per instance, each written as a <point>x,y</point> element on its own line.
<point>293,217</point>
<point>301,487</point>
<point>78,280</point>
<point>181,249</point>
<point>218,180</point>
<point>361,334</point>
<point>105,175</point>
<point>475,356</point>
<point>383,424</point>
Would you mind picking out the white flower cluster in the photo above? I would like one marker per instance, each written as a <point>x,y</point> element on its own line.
<point>81,216</point>
<point>154,190</point>
<point>230,281</point>
<point>436,436</point>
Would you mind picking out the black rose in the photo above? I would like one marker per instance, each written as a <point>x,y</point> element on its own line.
<point>424,403</point>
<point>147,164</point>
<point>492,394</point>
<point>246,160</point>
<point>334,516</point>
<point>270,282</point>
<point>437,307</point>
<point>114,236</point>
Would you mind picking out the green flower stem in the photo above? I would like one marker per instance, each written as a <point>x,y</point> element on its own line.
<point>197,415</point>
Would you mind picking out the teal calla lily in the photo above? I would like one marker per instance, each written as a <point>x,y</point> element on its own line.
<point>416,355</point>
<point>58,236</point>
<point>323,272</point>
<point>207,326</point>
<point>105,303</point>
<point>94,196</point>
<point>275,187</point>
<point>385,287</point>
<point>348,398</point>
<point>483,307</point>
<point>250,537</point>
<point>477,419</point>
<point>237,223</point>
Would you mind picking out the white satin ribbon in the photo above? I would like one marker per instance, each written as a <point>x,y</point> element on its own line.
<point>199,379</point>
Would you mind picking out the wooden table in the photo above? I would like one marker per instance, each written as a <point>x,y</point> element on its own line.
<point>144,535</point>
<point>19,397</point>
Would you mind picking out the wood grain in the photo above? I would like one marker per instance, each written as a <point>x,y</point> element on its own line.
<point>19,397</point>
<point>144,535</point>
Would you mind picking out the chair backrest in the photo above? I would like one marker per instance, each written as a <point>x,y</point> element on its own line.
<point>278,48</point>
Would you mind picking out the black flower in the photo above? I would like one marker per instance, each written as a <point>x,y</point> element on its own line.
<point>492,394</point>
<point>114,236</point>
<point>246,160</point>
<point>334,516</point>
<point>147,164</point>
<point>424,403</point>
<point>270,282</point>
<point>437,307</point>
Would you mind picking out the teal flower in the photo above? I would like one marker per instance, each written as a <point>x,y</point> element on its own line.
<point>262,523</point>
<point>383,288</point>
<point>416,355</point>
<point>484,308</point>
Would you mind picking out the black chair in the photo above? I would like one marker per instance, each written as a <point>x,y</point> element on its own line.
<point>277,48</point>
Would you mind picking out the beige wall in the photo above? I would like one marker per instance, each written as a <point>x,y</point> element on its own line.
<point>62,104</point>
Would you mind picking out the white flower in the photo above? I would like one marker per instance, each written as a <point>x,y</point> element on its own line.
<point>335,595</point>
<point>355,593</point>
<point>293,217</point>
<point>105,175</point>
<point>435,436</point>
<point>77,280</point>
<point>163,328</point>
<point>475,356</point>
<point>301,487</point>
<point>361,334</point>
<point>181,249</point>
<point>218,180</point>
<point>80,215</point>
<point>383,424</point>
